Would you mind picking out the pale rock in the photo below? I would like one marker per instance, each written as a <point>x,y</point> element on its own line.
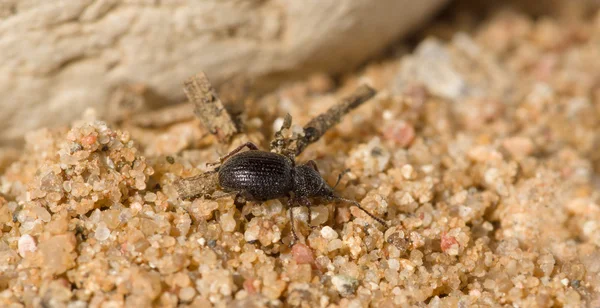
<point>59,58</point>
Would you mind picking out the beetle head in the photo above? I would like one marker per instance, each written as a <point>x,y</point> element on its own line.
<point>309,183</point>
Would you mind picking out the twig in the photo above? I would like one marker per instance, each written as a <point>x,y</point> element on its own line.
<point>199,185</point>
<point>209,108</point>
<point>319,125</point>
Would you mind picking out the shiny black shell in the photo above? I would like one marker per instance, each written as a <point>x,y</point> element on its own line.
<point>257,174</point>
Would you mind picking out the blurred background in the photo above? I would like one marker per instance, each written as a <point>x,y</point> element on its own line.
<point>61,57</point>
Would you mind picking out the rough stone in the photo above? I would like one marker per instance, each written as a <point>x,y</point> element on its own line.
<point>61,57</point>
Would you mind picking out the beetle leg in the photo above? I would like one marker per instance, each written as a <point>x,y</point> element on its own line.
<point>239,200</point>
<point>307,203</point>
<point>311,163</point>
<point>251,146</point>
<point>291,207</point>
<point>214,163</point>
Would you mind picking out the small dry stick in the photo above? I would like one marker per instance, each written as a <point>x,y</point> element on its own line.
<point>196,186</point>
<point>209,108</point>
<point>319,125</point>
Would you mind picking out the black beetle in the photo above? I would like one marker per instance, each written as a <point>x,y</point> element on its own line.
<point>257,175</point>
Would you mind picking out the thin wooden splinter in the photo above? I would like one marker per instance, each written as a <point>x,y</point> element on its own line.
<point>209,108</point>
<point>196,186</point>
<point>319,125</point>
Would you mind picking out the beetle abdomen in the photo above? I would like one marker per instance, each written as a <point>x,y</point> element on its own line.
<point>262,175</point>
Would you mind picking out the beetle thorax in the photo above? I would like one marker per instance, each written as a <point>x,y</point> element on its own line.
<point>309,183</point>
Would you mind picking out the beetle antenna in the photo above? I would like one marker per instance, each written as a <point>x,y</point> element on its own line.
<point>379,220</point>
<point>340,178</point>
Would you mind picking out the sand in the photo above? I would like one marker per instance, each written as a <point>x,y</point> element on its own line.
<point>480,152</point>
